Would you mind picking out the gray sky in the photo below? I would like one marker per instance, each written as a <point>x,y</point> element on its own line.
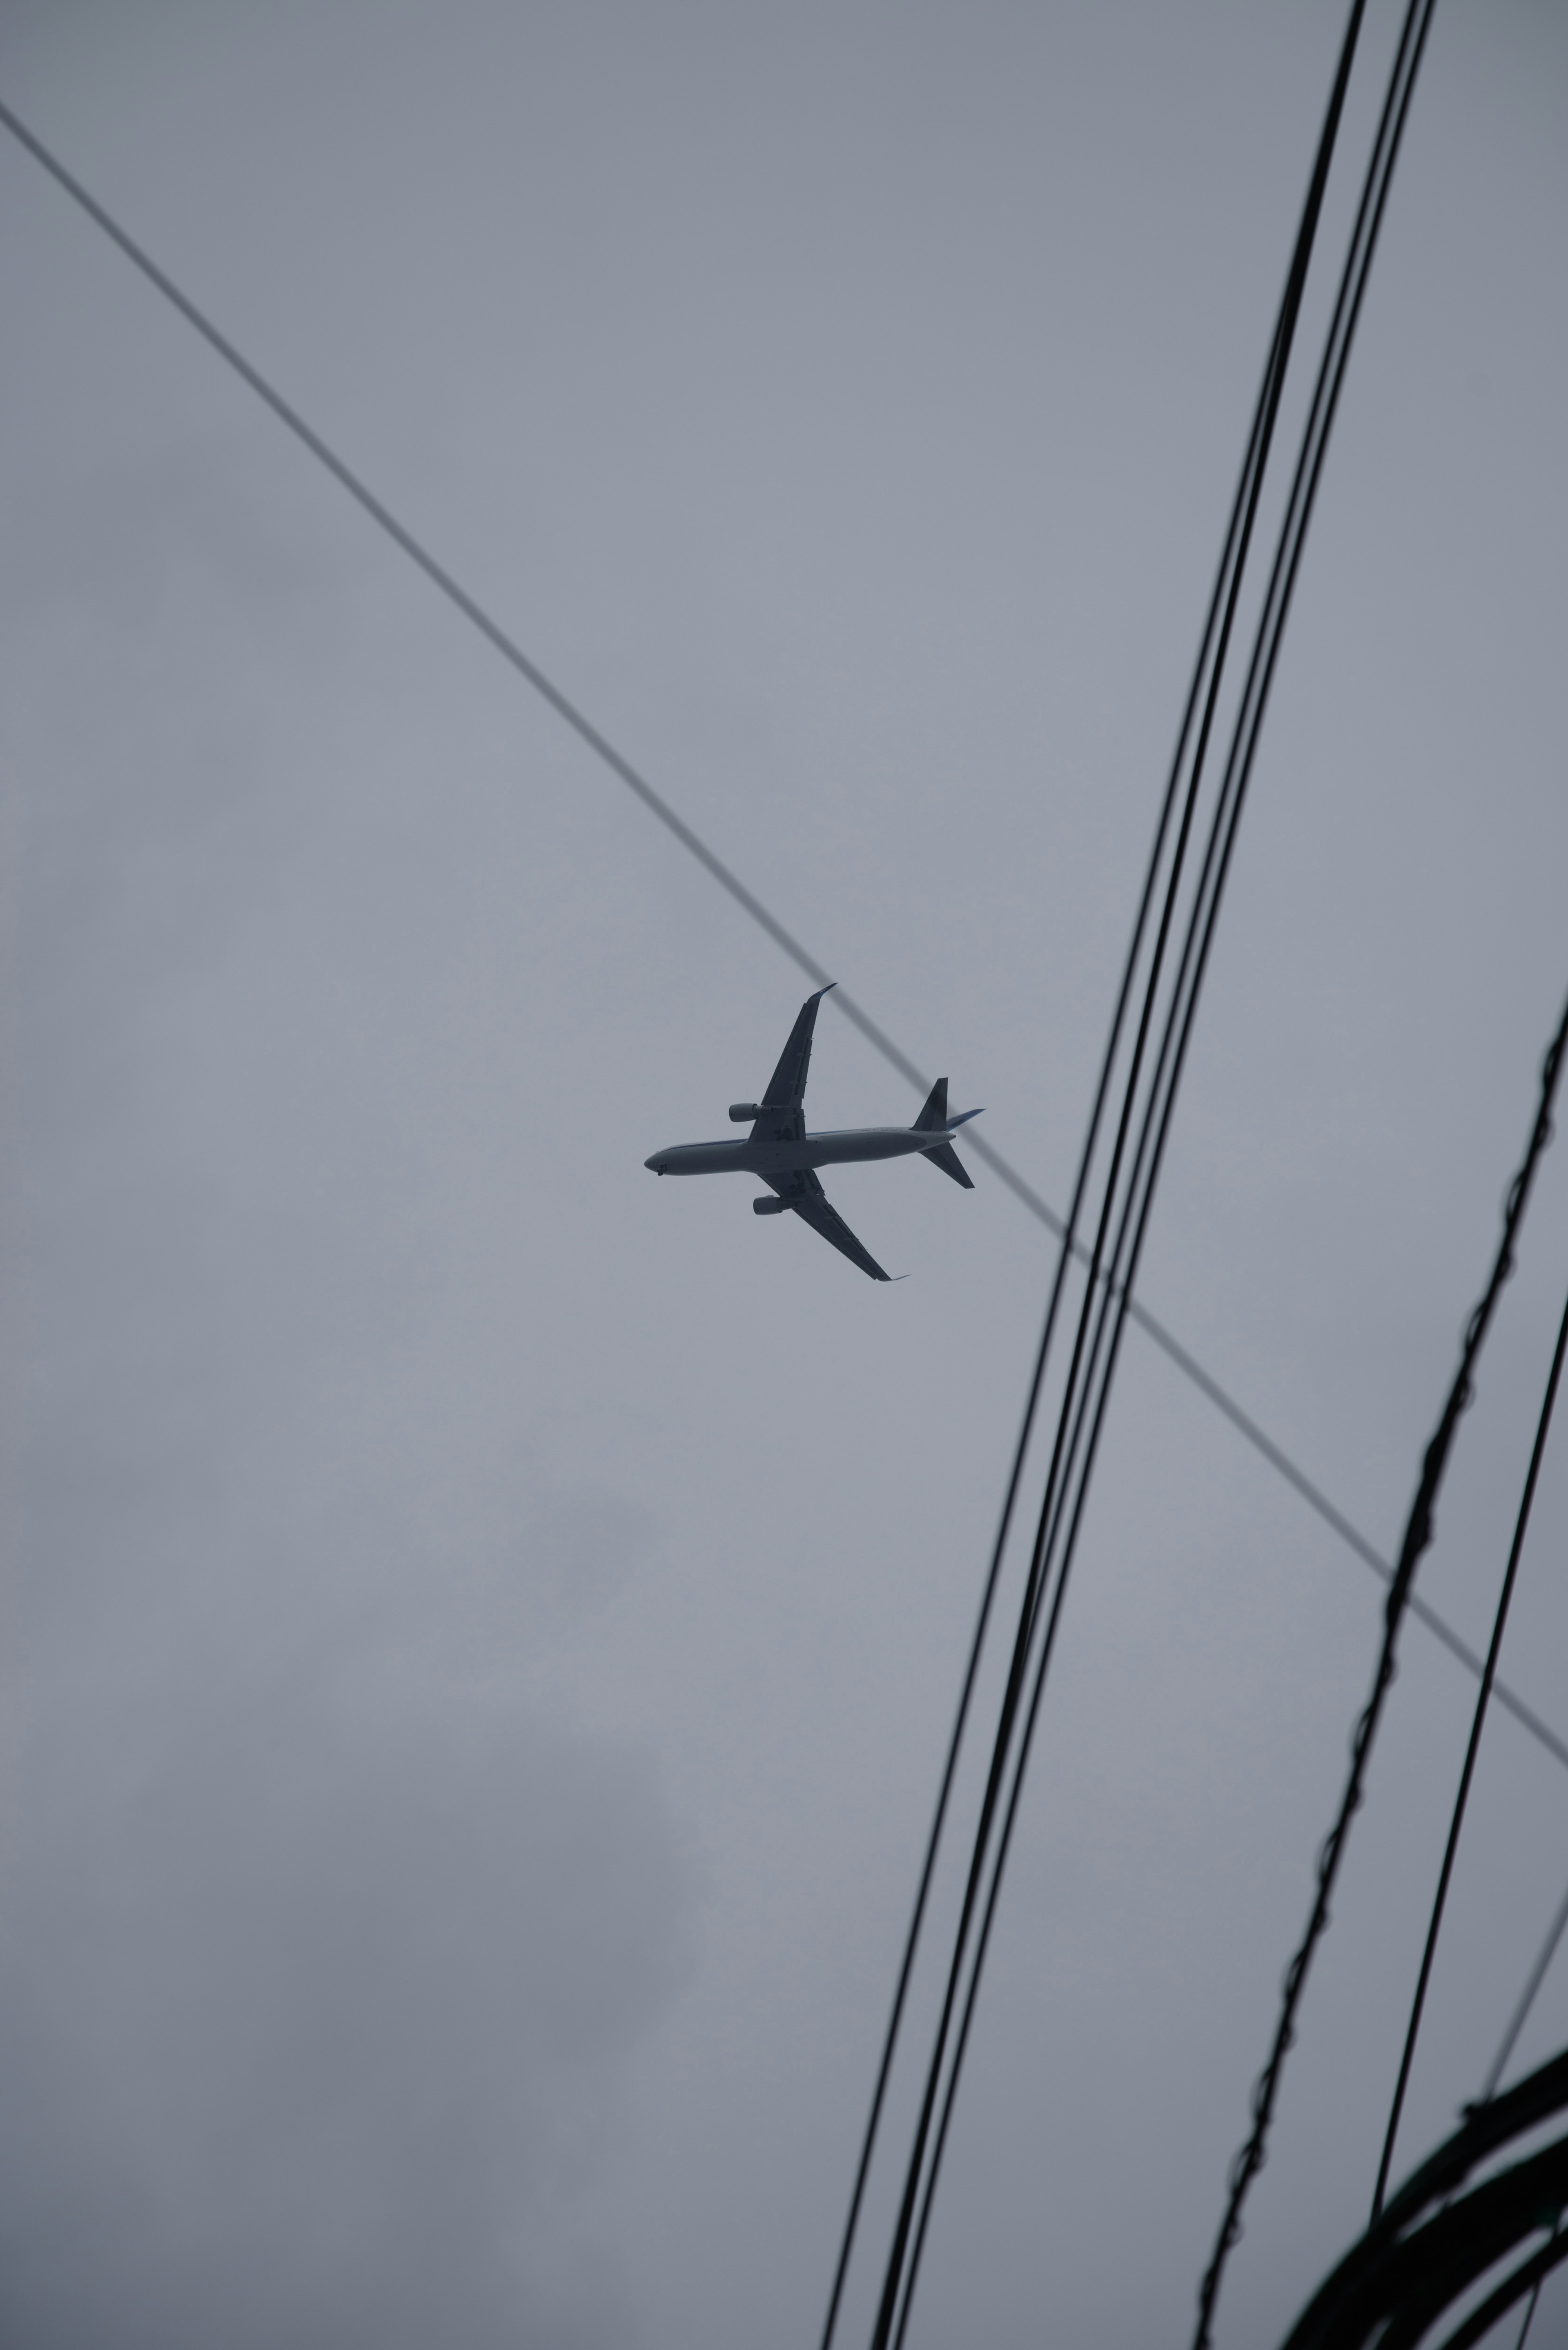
<point>480,1626</point>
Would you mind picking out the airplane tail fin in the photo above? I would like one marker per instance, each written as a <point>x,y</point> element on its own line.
<point>934,1114</point>
<point>934,1119</point>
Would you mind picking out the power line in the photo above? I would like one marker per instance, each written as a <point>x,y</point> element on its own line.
<point>658,807</point>
<point>1440,2238</point>
<point>1417,1536</point>
<point>1418,1528</point>
<point>1463,1797</point>
<point>1216,629</point>
<point>1538,2282</point>
<point>1084,1406</point>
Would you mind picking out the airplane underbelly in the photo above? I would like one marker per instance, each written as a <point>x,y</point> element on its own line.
<point>706,1158</point>
<point>857,1144</point>
<point>779,1158</point>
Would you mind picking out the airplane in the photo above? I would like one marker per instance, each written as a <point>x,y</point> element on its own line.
<point>780,1151</point>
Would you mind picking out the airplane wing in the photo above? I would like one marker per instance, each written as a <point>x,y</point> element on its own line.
<point>803,1192</point>
<point>786,1087</point>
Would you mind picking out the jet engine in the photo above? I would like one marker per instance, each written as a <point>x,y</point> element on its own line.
<point>768,1207</point>
<point>744,1113</point>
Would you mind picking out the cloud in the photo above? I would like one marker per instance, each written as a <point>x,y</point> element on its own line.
<point>316,2007</point>
<point>420,1528</point>
<point>327,1941</point>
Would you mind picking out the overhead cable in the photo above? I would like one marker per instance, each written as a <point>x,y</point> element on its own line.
<point>1070,1247</point>
<point>1417,1536</point>
<point>1215,624</point>
<point>1087,1399</point>
<point>657,806</point>
<point>1439,2239</point>
<point>1461,1798</point>
<point>1539,2280</point>
<point>1102,1321</point>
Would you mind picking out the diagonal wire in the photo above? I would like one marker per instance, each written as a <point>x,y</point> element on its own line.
<point>1318,1501</point>
<point>1526,2001</point>
<point>1504,1598</point>
<point>661,808</point>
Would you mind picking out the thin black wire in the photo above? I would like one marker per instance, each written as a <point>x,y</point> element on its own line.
<point>1526,2001</point>
<point>1535,2294</point>
<point>1069,1247</point>
<point>658,807</point>
<point>1436,2237</point>
<point>1385,155</point>
<point>1417,1536</point>
<point>1222,603</point>
<point>1533,2272</point>
<point>1180,1026</point>
<point>894,2275</point>
<point>954,1744</point>
<point>919,2191</point>
<point>1463,1797</point>
<point>895,2272</point>
<point>1071,1427</point>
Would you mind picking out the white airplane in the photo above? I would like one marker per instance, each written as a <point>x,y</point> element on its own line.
<point>780,1151</point>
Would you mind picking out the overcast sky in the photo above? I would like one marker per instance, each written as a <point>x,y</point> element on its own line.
<point>480,1626</point>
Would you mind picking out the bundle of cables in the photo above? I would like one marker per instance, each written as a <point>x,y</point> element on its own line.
<point>1432,2244</point>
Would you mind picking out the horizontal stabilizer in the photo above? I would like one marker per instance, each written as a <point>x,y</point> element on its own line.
<point>945,1157</point>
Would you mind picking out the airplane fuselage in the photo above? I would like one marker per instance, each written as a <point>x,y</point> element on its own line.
<point>782,1154</point>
